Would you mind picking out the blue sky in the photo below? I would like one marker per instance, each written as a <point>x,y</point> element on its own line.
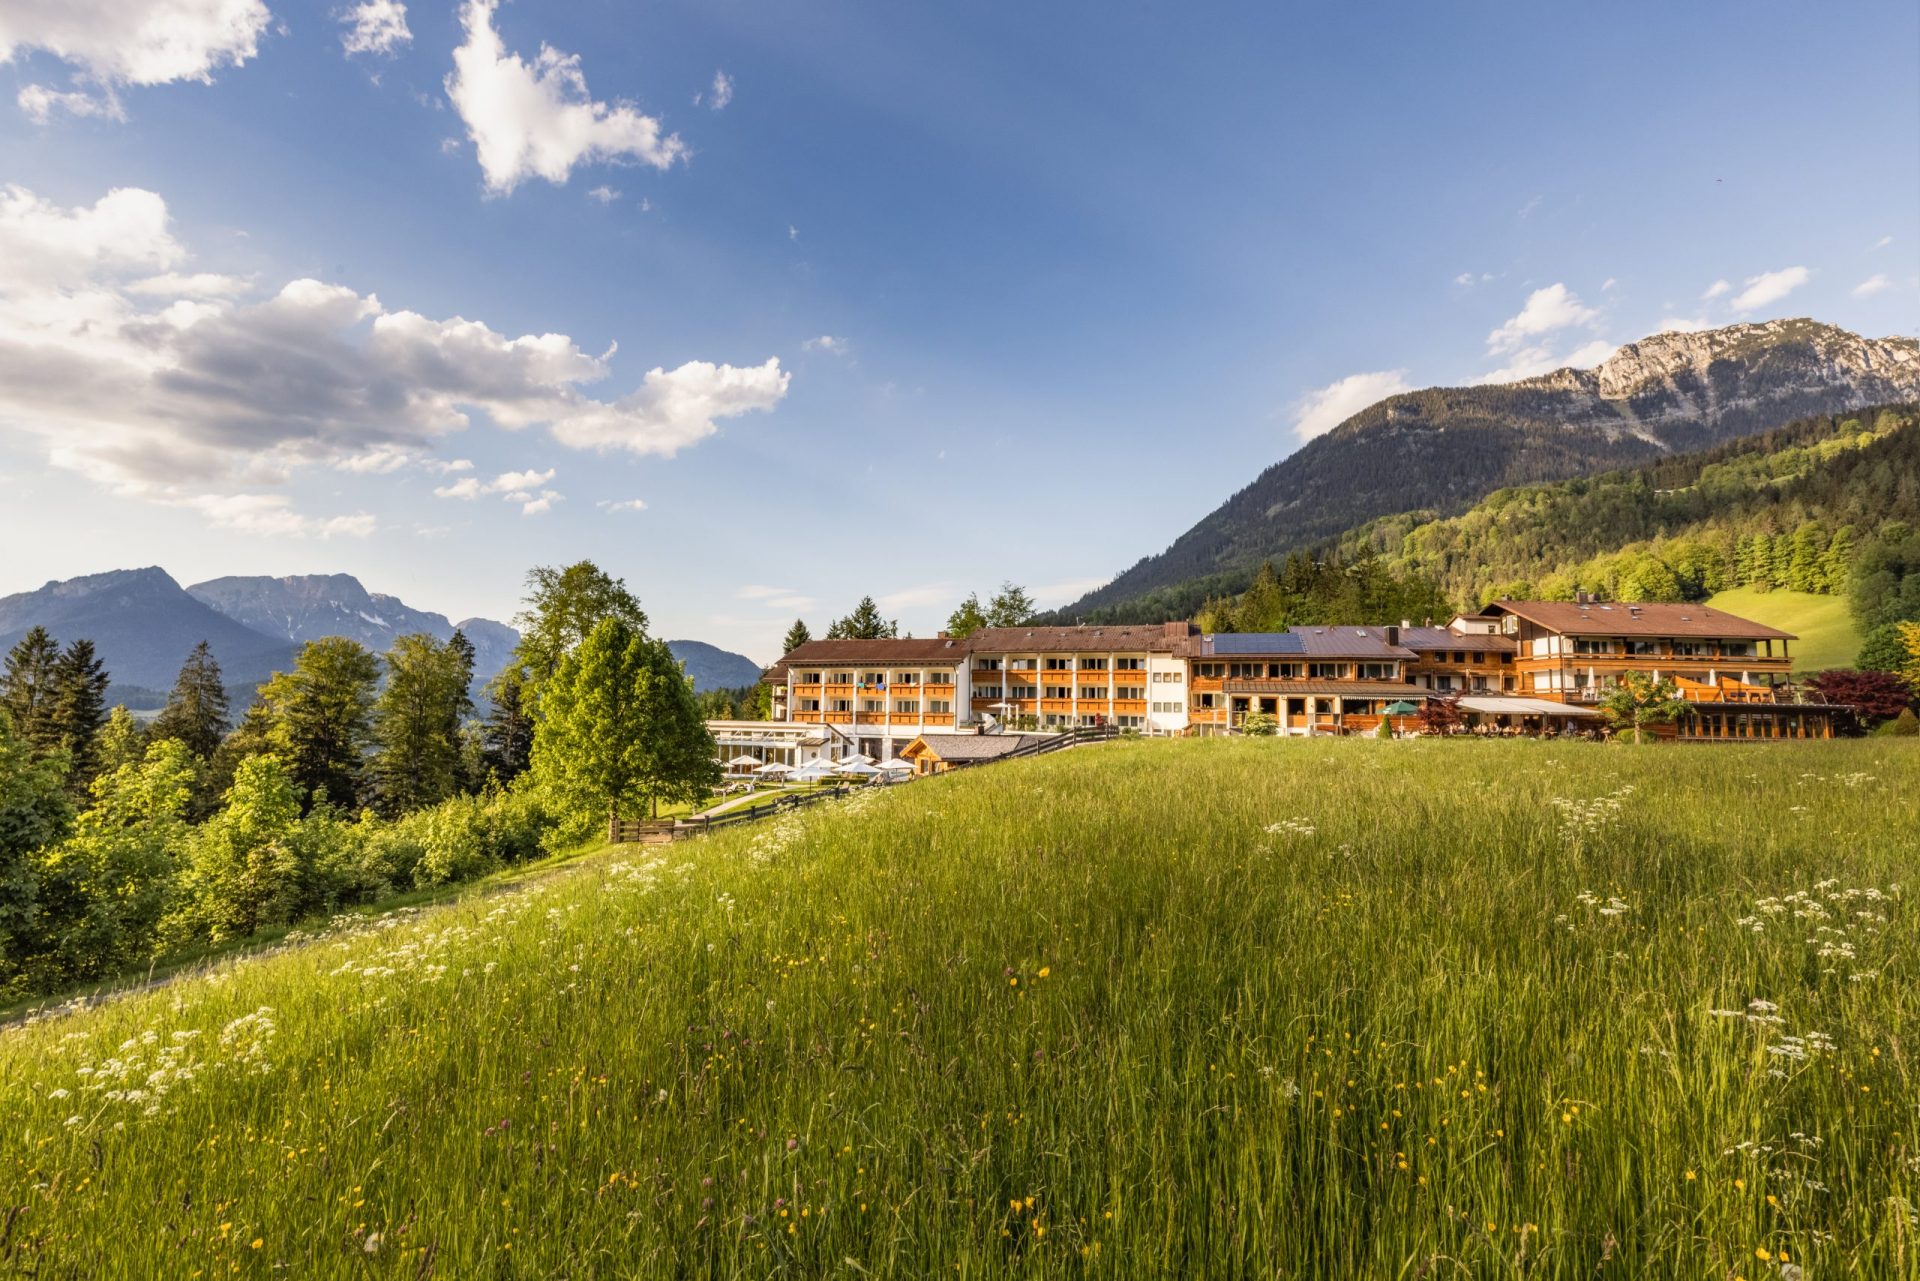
<point>1085,269</point>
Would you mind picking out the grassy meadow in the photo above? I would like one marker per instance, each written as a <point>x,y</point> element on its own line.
<point>1217,1008</point>
<point>1829,636</point>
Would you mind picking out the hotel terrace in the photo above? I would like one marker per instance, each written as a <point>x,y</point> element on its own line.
<point>1541,665</point>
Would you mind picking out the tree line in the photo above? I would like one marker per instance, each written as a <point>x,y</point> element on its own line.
<point>350,777</point>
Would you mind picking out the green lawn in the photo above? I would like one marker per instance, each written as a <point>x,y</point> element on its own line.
<point>1218,1008</point>
<point>1828,636</point>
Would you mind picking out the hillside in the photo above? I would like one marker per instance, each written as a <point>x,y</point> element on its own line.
<point>143,625</point>
<point>1108,1036</point>
<point>1829,637</point>
<point>710,667</point>
<point>1444,448</point>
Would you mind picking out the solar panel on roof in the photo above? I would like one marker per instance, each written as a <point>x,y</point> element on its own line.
<point>1258,643</point>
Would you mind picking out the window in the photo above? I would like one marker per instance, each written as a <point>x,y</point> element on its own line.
<point>939,678</point>
<point>1208,669</point>
<point>1203,700</point>
<point>1166,678</point>
<point>986,664</point>
<point>1506,658</point>
<point>1479,656</point>
<point>809,678</point>
<point>1129,722</point>
<point>939,707</point>
<point>1020,664</point>
<point>1059,691</point>
<point>1326,671</point>
<point>1130,691</point>
<point>1093,664</point>
<point>906,678</point>
<point>840,705</point>
<point>987,691</point>
<point>840,678</point>
<point>1168,709</point>
<point>873,705</point>
<point>907,706</point>
<point>1377,672</point>
<point>1059,664</point>
<point>1591,645</point>
<point>808,705</point>
<point>1130,664</point>
<point>1643,647</point>
<point>873,678</point>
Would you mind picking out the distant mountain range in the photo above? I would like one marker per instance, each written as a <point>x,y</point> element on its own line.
<point>1445,448</point>
<point>143,624</point>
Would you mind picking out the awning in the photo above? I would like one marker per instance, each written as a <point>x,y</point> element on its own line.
<point>1511,706</point>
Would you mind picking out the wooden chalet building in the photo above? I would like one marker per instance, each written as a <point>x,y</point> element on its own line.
<point>1306,679</point>
<point>1734,674</point>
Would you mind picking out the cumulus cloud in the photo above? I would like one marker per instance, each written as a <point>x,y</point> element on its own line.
<point>112,43</point>
<point>1547,310</point>
<point>1770,287</point>
<point>827,343</point>
<point>526,488</point>
<point>172,393</point>
<point>1872,285</point>
<point>1321,411</point>
<point>273,516</point>
<point>537,119</point>
<point>1606,286</point>
<point>1533,361</point>
<point>377,27</point>
<point>622,505</point>
<point>604,194</point>
<point>1716,289</point>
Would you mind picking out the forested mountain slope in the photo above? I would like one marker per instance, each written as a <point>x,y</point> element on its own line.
<point>1444,448</point>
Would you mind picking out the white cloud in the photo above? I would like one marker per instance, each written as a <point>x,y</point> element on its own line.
<point>1555,307</point>
<point>537,119</point>
<point>922,595</point>
<point>527,488</point>
<point>1533,361</point>
<point>1715,289</point>
<point>1872,285</point>
<point>722,92</point>
<point>109,43</point>
<point>604,194</point>
<point>40,103</point>
<point>780,598</point>
<point>1881,243</point>
<point>1682,324</point>
<point>1606,286</point>
<point>793,232</point>
<point>1526,210</point>
<point>375,26</point>
<point>1464,278</point>
<point>176,394</point>
<point>273,516</point>
<point>1321,411</point>
<point>624,505</point>
<point>1769,287</point>
<point>827,343</point>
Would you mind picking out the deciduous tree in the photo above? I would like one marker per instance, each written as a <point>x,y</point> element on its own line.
<point>417,720</point>
<point>1637,701</point>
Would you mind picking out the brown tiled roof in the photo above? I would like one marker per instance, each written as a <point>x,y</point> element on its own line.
<point>901,652</point>
<point>1648,618</point>
<point>973,747</point>
<point>1426,639</point>
<point>1156,638</point>
<point>1351,689</point>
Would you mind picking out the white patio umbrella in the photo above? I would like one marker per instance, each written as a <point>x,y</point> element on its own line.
<point>774,767</point>
<point>856,758</point>
<point>812,772</point>
<point>896,765</point>
<point>858,769</point>
<point>743,761</point>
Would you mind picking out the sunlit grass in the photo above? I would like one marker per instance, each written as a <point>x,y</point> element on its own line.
<point>1220,1008</point>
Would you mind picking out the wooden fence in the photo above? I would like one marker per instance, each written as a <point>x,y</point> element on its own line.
<point>625,831</point>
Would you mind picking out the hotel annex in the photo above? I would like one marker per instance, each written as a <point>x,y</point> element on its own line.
<point>1540,666</point>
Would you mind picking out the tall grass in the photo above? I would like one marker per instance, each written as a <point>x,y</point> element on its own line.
<point>1249,1008</point>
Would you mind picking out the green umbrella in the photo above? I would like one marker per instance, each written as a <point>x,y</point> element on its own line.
<point>1401,708</point>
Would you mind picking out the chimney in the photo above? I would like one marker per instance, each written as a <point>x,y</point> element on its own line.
<point>1393,634</point>
<point>941,636</point>
<point>1179,630</point>
<point>1582,598</point>
<point>1405,622</point>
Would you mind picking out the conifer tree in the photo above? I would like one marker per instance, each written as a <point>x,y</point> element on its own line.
<point>416,722</point>
<point>796,636</point>
<point>865,623</point>
<point>197,710</point>
<point>80,710</point>
<point>508,733</point>
<point>967,619</point>
<point>320,715</point>
<point>28,690</point>
<point>1010,607</point>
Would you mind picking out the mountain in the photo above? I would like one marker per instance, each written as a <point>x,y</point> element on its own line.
<point>306,607</point>
<point>710,667</point>
<point>143,625</point>
<point>1446,447</point>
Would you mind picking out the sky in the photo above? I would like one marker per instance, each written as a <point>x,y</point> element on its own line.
<point>765,306</point>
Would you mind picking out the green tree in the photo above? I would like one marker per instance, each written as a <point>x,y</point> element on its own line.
<point>1806,570</point>
<point>619,728</point>
<point>123,741</point>
<point>1010,607</point>
<point>80,710</point>
<point>417,720</point>
<point>967,619</point>
<point>197,711</point>
<point>29,689</point>
<point>1882,650</point>
<point>507,736</point>
<point>320,717</point>
<point>105,888</point>
<point>1637,701</point>
<point>1257,724</point>
<point>562,606</point>
<point>864,623</point>
<point>1263,606</point>
<point>34,813</point>
<point>243,870</point>
<point>796,636</point>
